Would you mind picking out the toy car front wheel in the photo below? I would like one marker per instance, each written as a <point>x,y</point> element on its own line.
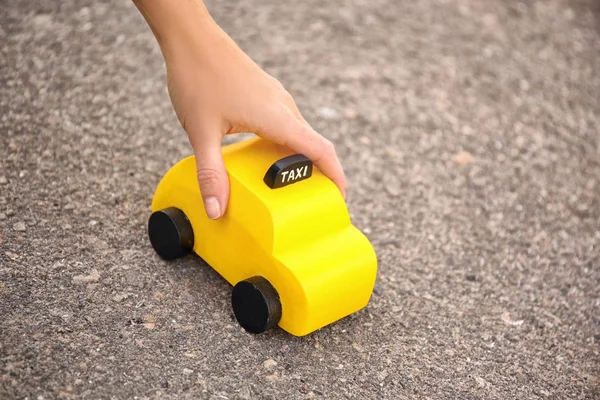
<point>170,233</point>
<point>256,304</point>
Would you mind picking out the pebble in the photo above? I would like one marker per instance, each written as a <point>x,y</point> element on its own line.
<point>20,227</point>
<point>120,297</point>
<point>393,191</point>
<point>83,279</point>
<point>3,180</point>
<point>2,216</point>
<point>480,381</point>
<point>328,113</point>
<point>272,378</point>
<point>464,158</point>
<point>150,322</point>
<point>357,347</point>
<point>270,363</point>
<point>188,371</point>
<point>350,113</point>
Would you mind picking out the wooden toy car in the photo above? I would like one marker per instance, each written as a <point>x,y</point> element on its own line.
<point>285,242</point>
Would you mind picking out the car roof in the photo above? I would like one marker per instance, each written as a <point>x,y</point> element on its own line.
<point>287,216</point>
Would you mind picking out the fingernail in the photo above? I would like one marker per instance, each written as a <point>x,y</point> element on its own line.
<point>213,209</point>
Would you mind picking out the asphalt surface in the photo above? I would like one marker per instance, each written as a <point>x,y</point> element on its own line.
<point>469,132</point>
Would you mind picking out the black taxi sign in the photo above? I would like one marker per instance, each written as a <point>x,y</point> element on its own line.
<point>288,170</point>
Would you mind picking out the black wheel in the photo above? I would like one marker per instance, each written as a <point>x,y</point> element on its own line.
<point>170,233</point>
<point>256,304</point>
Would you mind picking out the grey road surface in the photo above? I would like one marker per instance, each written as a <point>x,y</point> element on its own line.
<point>469,132</point>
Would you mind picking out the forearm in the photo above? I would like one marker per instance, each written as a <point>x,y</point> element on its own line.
<point>177,24</point>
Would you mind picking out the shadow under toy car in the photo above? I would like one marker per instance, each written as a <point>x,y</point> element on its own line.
<point>286,242</point>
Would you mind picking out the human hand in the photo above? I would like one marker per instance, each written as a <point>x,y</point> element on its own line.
<point>216,89</point>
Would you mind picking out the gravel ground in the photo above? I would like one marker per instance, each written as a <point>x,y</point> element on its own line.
<point>469,131</point>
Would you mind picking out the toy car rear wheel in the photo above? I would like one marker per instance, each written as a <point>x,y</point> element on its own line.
<point>170,233</point>
<point>256,304</point>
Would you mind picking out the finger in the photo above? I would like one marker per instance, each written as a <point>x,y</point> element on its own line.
<point>286,129</point>
<point>211,172</point>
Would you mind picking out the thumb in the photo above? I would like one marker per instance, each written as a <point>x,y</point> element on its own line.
<point>211,172</point>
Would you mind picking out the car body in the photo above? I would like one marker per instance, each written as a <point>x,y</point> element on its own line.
<point>299,237</point>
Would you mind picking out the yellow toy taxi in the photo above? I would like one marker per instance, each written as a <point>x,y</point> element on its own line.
<point>285,243</point>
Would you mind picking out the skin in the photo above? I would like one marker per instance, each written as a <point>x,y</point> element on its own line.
<point>216,90</point>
